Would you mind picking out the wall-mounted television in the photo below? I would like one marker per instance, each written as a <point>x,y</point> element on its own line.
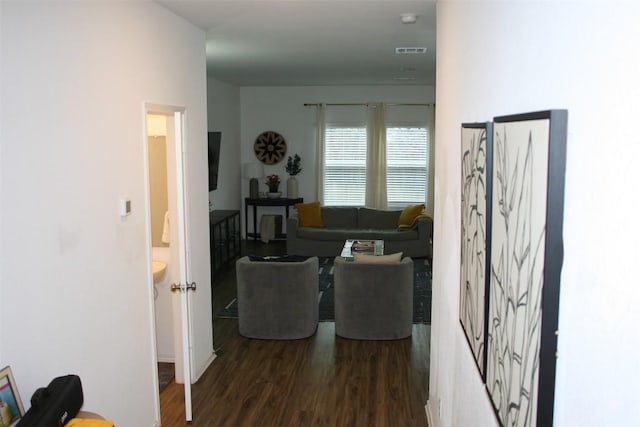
<point>214,158</point>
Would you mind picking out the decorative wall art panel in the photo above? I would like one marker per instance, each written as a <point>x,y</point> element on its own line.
<point>526,260</point>
<point>477,141</point>
<point>270,147</point>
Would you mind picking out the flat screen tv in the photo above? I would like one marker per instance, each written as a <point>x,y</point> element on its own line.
<point>214,158</point>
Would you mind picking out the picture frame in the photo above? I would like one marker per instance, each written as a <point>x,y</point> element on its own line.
<point>475,236</point>
<point>11,409</point>
<point>526,260</point>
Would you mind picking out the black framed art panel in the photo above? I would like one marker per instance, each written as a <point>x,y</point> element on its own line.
<point>476,149</point>
<point>526,260</point>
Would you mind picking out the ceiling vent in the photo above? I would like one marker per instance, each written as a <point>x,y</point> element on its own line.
<point>411,50</point>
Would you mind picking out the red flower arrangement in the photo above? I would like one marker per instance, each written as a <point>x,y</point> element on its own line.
<point>272,181</point>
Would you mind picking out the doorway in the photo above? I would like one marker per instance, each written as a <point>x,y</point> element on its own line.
<point>160,247</point>
<point>167,241</point>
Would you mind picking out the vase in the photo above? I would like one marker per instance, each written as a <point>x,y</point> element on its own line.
<point>273,189</point>
<point>292,188</point>
<point>253,188</point>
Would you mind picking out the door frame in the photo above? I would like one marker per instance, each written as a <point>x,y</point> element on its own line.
<point>176,174</point>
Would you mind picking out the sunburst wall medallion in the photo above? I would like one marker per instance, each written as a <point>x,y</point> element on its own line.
<point>270,147</point>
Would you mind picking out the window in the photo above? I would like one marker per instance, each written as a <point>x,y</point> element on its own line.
<point>407,170</point>
<point>345,166</point>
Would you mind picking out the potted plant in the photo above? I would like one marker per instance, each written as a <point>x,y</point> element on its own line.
<point>293,165</point>
<point>293,168</point>
<point>273,182</point>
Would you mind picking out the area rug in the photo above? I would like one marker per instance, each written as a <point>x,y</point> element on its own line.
<point>421,293</point>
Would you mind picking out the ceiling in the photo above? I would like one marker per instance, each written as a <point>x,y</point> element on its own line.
<point>314,42</point>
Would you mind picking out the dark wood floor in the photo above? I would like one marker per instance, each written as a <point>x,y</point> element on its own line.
<point>323,380</point>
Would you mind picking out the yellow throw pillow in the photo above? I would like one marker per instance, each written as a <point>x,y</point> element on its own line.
<point>414,223</point>
<point>89,422</point>
<point>409,214</point>
<point>309,214</point>
<point>377,259</point>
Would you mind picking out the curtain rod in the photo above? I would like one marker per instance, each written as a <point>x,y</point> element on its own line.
<point>386,104</point>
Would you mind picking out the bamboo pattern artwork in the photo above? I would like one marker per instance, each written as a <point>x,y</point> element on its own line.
<point>526,259</point>
<point>516,277</point>
<point>525,209</point>
<point>475,211</point>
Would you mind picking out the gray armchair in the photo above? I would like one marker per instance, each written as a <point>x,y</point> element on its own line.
<point>373,301</point>
<point>277,300</point>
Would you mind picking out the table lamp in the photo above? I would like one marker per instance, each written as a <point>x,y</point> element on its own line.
<point>253,171</point>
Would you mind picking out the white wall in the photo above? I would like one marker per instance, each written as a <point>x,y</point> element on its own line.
<point>75,276</point>
<point>499,58</point>
<point>281,109</point>
<point>223,107</point>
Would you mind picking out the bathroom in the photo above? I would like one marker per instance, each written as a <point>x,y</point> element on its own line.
<point>160,238</point>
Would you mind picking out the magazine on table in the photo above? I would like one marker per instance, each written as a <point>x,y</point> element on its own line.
<point>363,245</point>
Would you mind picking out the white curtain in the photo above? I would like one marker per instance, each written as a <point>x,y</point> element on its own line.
<point>321,125</point>
<point>376,189</point>
<point>431,143</point>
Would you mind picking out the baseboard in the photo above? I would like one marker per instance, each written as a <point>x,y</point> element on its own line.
<point>212,357</point>
<point>427,409</point>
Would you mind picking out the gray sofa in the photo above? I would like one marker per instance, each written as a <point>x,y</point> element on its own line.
<point>342,223</point>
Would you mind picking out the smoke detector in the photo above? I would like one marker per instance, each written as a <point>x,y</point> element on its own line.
<point>408,18</point>
<point>411,50</point>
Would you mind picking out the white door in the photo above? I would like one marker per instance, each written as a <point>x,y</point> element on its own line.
<point>189,260</point>
<point>171,125</point>
<point>185,285</point>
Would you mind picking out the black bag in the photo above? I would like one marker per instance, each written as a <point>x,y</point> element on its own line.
<point>54,405</point>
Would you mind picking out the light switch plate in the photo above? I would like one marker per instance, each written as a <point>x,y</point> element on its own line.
<point>125,207</point>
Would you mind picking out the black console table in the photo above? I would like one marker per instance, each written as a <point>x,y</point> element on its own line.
<point>284,202</point>
<point>224,234</point>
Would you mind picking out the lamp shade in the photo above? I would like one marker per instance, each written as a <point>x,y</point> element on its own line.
<point>253,170</point>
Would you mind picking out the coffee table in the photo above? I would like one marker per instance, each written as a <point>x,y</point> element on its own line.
<point>363,246</point>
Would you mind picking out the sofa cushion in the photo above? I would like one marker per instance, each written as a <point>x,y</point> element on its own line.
<point>342,234</point>
<point>377,219</point>
<point>283,258</point>
<point>339,217</point>
<point>309,214</point>
<point>327,234</point>
<point>397,235</point>
<point>377,259</point>
<point>409,215</point>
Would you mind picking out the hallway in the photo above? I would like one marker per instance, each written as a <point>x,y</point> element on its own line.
<point>322,381</point>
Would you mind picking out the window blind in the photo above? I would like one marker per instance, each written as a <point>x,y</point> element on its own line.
<point>408,153</point>
<point>345,166</point>
<point>407,165</point>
